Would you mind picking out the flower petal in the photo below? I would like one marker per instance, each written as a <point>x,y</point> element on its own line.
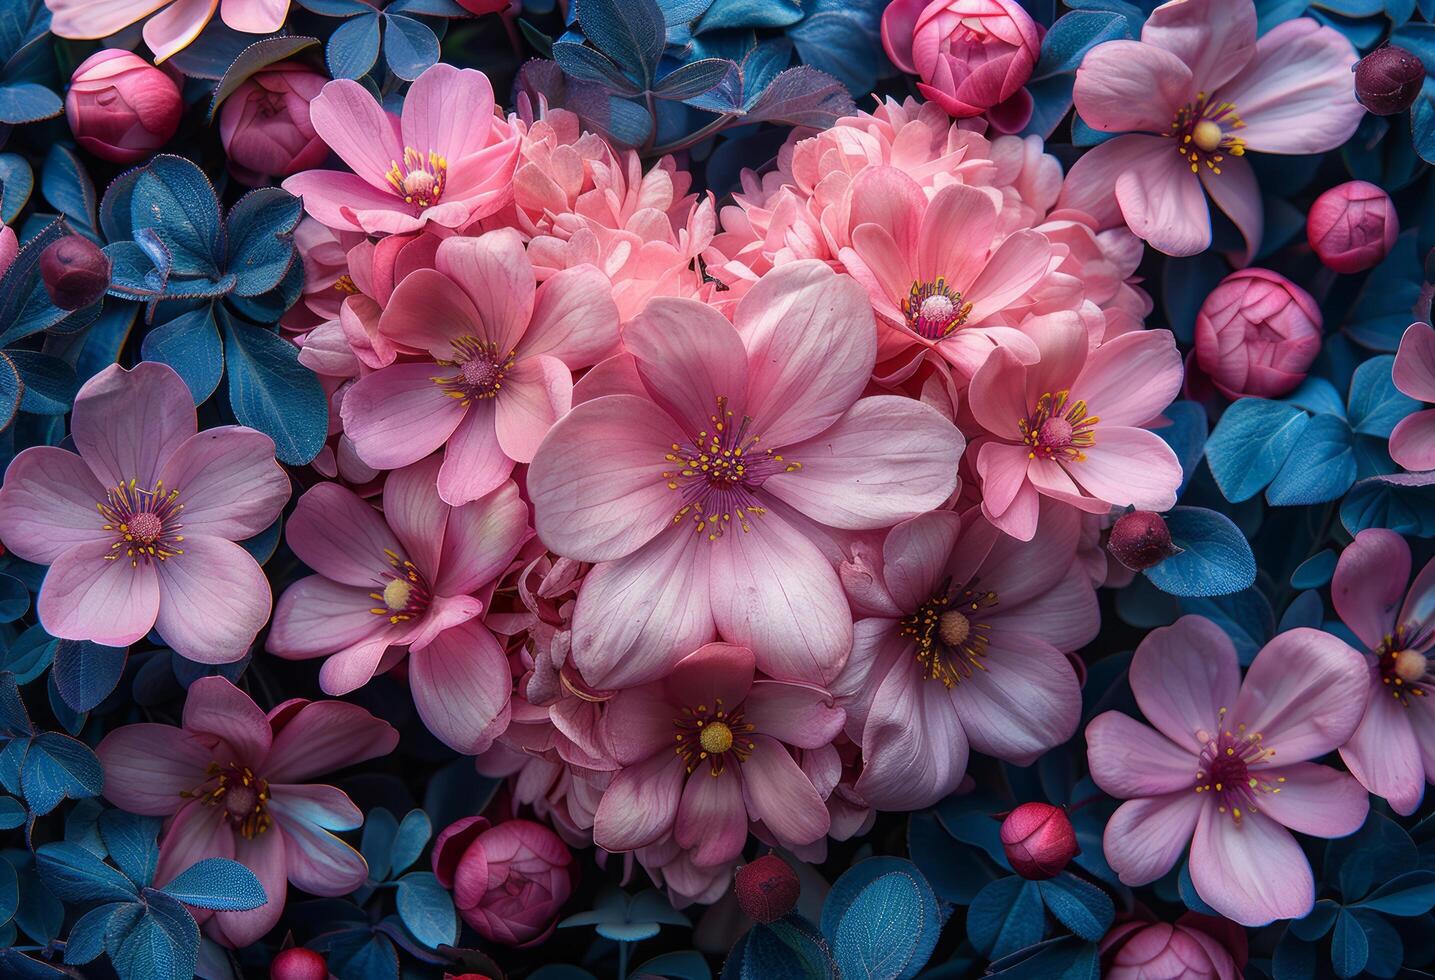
<point>1253,872</point>
<point>47,504</point>
<point>1307,712</point>
<point>126,424</point>
<point>1144,837</point>
<point>712,817</point>
<point>349,119</point>
<point>339,535</point>
<point>1182,676</point>
<point>213,600</point>
<point>1125,86</point>
<point>229,483</point>
<point>323,736</point>
<point>399,414</point>
<point>1369,583</point>
<point>1023,700</point>
<point>689,356</point>
<point>780,795</point>
<point>148,767</point>
<point>1130,760</point>
<point>85,596</point>
<point>640,805</point>
<point>461,685</point>
<point>1316,800</point>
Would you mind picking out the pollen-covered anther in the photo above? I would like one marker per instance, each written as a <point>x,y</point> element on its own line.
<point>405,592</point>
<point>420,178</point>
<point>712,735</point>
<point>1058,428</point>
<point>145,523</point>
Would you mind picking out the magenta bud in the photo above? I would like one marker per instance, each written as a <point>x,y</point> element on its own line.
<point>1352,227</point>
<point>1141,539</point>
<point>1038,840</point>
<point>75,271</point>
<point>298,963</point>
<point>767,889</point>
<point>1388,79</point>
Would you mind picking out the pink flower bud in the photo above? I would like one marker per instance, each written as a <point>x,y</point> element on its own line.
<point>1256,334</point>
<point>120,107</point>
<point>1183,951</point>
<point>479,7</point>
<point>973,56</point>
<point>508,881</point>
<point>1038,840</point>
<point>766,889</point>
<point>298,963</point>
<point>1141,539</point>
<point>1388,79</point>
<point>264,125</point>
<point>1352,226</point>
<point>75,271</point>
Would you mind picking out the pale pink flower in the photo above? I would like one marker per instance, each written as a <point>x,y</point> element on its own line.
<point>139,528</point>
<point>402,583</point>
<point>449,160</point>
<point>1067,425</point>
<point>1226,768</point>
<point>1412,443</point>
<point>1193,96</point>
<point>728,765</point>
<point>172,29</point>
<point>962,644</point>
<point>235,783</point>
<point>694,493</point>
<point>494,368</point>
<point>1392,753</point>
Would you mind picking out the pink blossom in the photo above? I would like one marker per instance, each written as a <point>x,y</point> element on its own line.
<point>1190,949</point>
<point>1193,95</point>
<point>449,160</point>
<point>730,763</point>
<point>493,367</point>
<point>509,881</point>
<point>139,528</point>
<point>1392,753</point>
<point>1227,763</point>
<point>962,646</point>
<point>234,783</point>
<point>1257,334</point>
<point>402,583</point>
<point>9,247</point>
<point>172,29</point>
<point>1412,443</point>
<point>120,107</point>
<point>697,489</point>
<point>1352,226</point>
<point>974,56</point>
<point>1067,425</point>
<point>264,124</point>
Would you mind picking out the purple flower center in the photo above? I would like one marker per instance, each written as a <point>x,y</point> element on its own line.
<point>405,594</point>
<point>933,309</point>
<point>420,179</point>
<point>481,370</point>
<point>144,522</point>
<point>1226,765</point>
<point>711,735</point>
<point>239,793</point>
<point>950,636</point>
<point>1202,131</point>
<point>1404,671</point>
<point>1058,428</point>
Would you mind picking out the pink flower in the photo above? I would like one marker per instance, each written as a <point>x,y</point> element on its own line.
<point>693,487</point>
<point>962,645</point>
<point>449,160</point>
<point>1392,753</point>
<point>509,881</point>
<point>234,783</point>
<point>264,124</point>
<point>403,582</point>
<point>729,764</point>
<point>1227,763</point>
<point>1066,426</point>
<point>1194,94</point>
<point>172,29</point>
<point>1352,226</point>
<point>9,247</point>
<point>139,528</point>
<point>120,107</point>
<point>1256,334</point>
<point>1138,950</point>
<point>1412,443</point>
<point>494,367</point>
<point>974,56</point>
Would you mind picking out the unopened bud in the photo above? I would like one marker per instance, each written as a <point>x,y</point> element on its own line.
<point>75,271</point>
<point>767,889</point>
<point>1388,79</point>
<point>298,963</point>
<point>1038,840</point>
<point>1141,539</point>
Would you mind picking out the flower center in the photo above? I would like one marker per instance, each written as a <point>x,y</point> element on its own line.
<point>1202,131</point>
<point>711,735</point>
<point>1402,669</point>
<point>480,370</point>
<point>1225,768</point>
<point>405,594</point>
<point>420,179</point>
<point>950,642</point>
<point>345,284</point>
<point>717,472</point>
<point>243,796</point>
<point>144,523</point>
<point>933,309</point>
<point>1058,428</point>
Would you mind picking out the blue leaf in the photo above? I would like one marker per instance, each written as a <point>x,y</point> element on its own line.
<point>409,46</point>
<point>1315,925</point>
<point>1376,405</point>
<point>377,842</point>
<point>413,833</point>
<point>261,546</point>
<point>17,180</point>
<point>695,78</point>
<point>1402,502</point>
<point>844,39</point>
<point>50,383</point>
<point>86,940</point>
<point>77,875</point>
<point>1080,906</point>
<point>57,766</point>
<point>24,102</point>
<point>1246,617</point>
<point>747,14</point>
<point>1006,916</point>
<point>589,65</point>
<point>1215,557</point>
<point>67,186</point>
<point>217,883</point>
<point>1379,851</point>
<point>190,344</point>
<point>12,813</point>
<point>631,32</point>
<point>1349,949</point>
<point>1382,311</point>
<point>1387,950</point>
<point>1320,467</point>
<point>9,891</point>
<point>11,391</point>
<point>173,199</point>
<point>1251,443</point>
<point>1063,958</point>
<point>131,841</point>
<point>1073,35</point>
<point>261,239</point>
<point>1187,890</point>
<point>1317,396</point>
<point>354,46</point>
<point>802,96</point>
<point>162,944</point>
<point>789,947</point>
<point>29,656</point>
<point>886,931</point>
<point>1315,571</point>
<point>85,673</point>
<point>1409,894</point>
<point>427,909</point>
<point>14,598</point>
<point>1306,610</point>
<point>1186,435</point>
<point>271,391</point>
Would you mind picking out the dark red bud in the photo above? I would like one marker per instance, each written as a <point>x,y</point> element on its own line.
<point>298,963</point>
<point>1141,539</point>
<point>1388,79</point>
<point>76,273</point>
<point>1038,840</point>
<point>767,889</point>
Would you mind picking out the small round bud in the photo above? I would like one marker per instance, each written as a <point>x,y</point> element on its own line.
<point>1140,539</point>
<point>1388,79</point>
<point>1038,840</point>
<point>120,107</point>
<point>75,271</point>
<point>1352,227</point>
<point>298,963</point>
<point>767,889</point>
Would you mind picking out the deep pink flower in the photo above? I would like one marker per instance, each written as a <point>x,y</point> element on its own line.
<point>403,582</point>
<point>234,783</point>
<point>974,56</point>
<point>1352,226</point>
<point>139,528</point>
<point>1138,950</point>
<point>962,645</point>
<point>692,492</point>
<point>1256,334</point>
<point>1227,762</point>
<point>9,247</point>
<point>120,107</point>
<point>449,159</point>
<point>1392,753</point>
<point>495,362</point>
<point>264,124</point>
<point>1067,426</point>
<point>1412,443</point>
<point>1194,94</point>
<point>508,880</point>
<point>172,29</point>
<point>731,763</point>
